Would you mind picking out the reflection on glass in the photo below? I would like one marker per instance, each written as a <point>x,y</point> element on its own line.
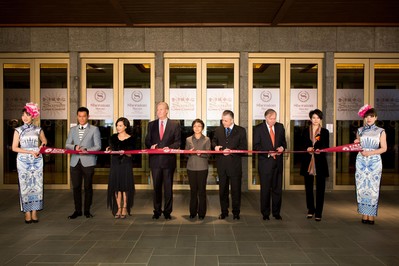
<point>303,76</point>
<point>350,78</point>
<point>387,106</point>
<point>183,76</point>
<point>16,84</point>
<point>53,80</point>
<point>264,76</point>
<point>138,76</point>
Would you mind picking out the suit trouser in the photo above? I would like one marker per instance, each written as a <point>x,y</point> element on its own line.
<point>81,173</point>
<point>224,181</point>
<point>320,189</point>
<point>270,187</point>
<point>197,181</point>
<point>163,176</point>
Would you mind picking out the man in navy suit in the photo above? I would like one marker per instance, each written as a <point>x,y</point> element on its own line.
<point>270,136</point>
<point>83,137</point>
<point>229,136</point>
<point>163,133</point>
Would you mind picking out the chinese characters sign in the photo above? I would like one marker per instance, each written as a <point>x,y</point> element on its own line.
<point>183,104</point>
<point>348,103</point>
<point>15,100</point>
<point>53,104</point>
<point>217,101</point>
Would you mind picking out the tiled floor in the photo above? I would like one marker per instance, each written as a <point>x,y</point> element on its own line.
<point>340,239</point>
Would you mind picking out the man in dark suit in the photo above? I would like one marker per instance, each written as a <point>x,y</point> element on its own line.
<point>229,136</point>
<point>270,136</point>
<point>163,133</point>
<point>83,137</point>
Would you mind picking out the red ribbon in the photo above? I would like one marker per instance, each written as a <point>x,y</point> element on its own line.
<point>48,150</point>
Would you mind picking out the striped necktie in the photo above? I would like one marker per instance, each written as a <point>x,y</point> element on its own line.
<point>81,132</point>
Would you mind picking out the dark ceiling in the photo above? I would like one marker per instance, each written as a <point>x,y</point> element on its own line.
<point>158,13</point>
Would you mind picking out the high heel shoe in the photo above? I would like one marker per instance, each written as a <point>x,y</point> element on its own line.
<point>28,221</point>
<point>118,214</point>
<point>123,216</point>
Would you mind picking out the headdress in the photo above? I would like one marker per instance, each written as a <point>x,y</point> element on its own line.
<point>32,109</point>
<point>363,110</point>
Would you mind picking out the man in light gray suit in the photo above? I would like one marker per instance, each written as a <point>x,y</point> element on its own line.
<point>83,137</point>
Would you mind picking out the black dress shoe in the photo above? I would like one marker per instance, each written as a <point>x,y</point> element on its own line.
<point>88,215</point>
<point>223,216</point>
<point>201,217</point>
<point>75,215</point>
<point>155,216</point>
<point>278,217</point>
<point>370,222</point>
<point>192,216</point>
<point>167,217</point>
<point>35,221</point>
<point>266,217</point>
<point>236,217</point>
<point>364,221</point>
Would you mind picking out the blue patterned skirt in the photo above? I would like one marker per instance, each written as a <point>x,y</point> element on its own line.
<point>368,179</point>
<point>30,177</point>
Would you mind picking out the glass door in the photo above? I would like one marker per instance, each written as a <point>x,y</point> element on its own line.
<point>292,87</point>
<point>200,88</point>
<point>53,82</point>
<point>304,83</point>
<point>99,82</point>
<point>384,92</point>
<point>351,81</point>
<point>136,77</point>
<point>375,82</point>
<point>266,80</point>
<point>17,89</point>
<point>119,87</point>
<point>45,82</point>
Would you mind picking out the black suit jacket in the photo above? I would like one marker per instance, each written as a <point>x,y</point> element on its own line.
<point>263,142</point>
<point>236,141</point>
<point>171,138</point>
<point>320,159</point>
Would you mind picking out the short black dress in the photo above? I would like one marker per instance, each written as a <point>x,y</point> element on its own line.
<point>121,174</point>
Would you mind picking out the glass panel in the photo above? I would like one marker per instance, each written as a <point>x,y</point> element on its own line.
<point>16,84</point>
<point>137,82</point>
<point>54,94</point>
<point>101,76</point>
<point>303,76</point>
<point>265,76</point>
<point>220,96</point>
<point>183,76</point>
<point>350,91</point>
<point>387,106</point>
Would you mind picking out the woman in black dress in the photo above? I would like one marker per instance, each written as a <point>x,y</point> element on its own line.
<point>314,164</point>
<point>121,181</point>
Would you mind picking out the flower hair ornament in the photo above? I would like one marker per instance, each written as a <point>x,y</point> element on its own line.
<point>32,109</point>
<point>363,110</point>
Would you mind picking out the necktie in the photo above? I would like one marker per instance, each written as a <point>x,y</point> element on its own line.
<point>228,131</point>
<point>161,130</point>
<point>272,134</point>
